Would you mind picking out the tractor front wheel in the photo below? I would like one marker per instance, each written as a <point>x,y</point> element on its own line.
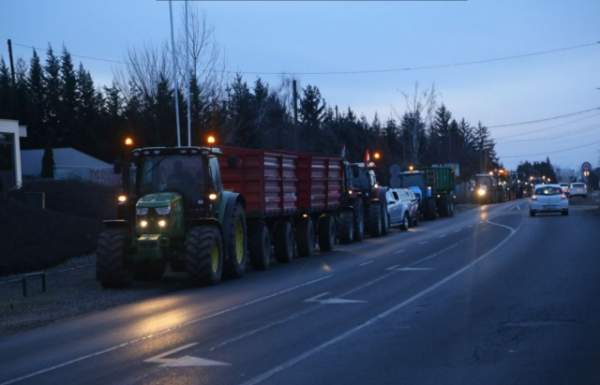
<point>235,265</point>
<point>111,270</point>
<point>204,255</point>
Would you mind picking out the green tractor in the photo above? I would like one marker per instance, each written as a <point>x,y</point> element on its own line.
<point>173,211</point>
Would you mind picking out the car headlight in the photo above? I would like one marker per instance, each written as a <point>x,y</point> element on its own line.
<point>163,210</point>
<point>481,192</point>
<point>141,210</point>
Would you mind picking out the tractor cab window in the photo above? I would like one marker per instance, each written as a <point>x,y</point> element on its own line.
<point>172,173</point>
<point>215,173</point>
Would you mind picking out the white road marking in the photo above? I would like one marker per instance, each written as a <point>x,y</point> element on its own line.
<point>128,343</point>
<point>515,207</point>
<point>442,236</point>
<point>400,251</point>
<point>393,267</point>
<point>412,268</point>
<point>470,226</point>
<point>456,231</point>
<point>331,301</point>
<point>183,361</point>
<point>365,263</point>
<point>373,320</point>
<point>424,242</point>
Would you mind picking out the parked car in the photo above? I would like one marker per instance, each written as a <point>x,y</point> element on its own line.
<point>565,188</point>
<point>577,189</point>
<point>548,198</point>
<point>399,205</point>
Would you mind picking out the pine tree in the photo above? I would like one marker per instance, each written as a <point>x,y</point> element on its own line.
<point>48,162</point>
<point>52,86</point>
<point>36,135</point>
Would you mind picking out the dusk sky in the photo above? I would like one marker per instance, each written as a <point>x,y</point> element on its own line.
<point>300,38</point>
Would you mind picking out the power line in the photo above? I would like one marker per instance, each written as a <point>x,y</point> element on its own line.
<point>361,71</point>
<point>549,153</point>
<point>546,128</point>
<point>543,120</point>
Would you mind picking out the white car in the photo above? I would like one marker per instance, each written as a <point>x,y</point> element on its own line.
<point>399,207</point>
<point>548,198</point>
<point>578,189</point>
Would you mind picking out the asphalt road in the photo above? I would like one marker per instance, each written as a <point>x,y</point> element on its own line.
<point>491,296</point>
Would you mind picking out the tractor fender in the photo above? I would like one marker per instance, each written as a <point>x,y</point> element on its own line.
<point>118,223</point>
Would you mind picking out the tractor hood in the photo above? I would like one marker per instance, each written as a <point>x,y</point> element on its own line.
<point>159,199</point>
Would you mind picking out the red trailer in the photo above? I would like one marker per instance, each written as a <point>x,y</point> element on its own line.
<point>291,198</point>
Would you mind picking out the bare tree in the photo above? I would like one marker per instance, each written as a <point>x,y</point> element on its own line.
<point>420,108</point>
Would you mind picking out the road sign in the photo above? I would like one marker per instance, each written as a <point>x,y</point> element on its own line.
<point>586,166</point>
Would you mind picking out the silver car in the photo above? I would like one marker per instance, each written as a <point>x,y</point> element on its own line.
<point>548,198</point>
<point>578,189</point>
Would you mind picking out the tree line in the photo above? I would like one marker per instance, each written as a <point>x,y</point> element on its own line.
<point>62,107</point>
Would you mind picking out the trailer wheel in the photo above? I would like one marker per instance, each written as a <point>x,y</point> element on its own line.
<point>374,220</point>
<point>204,255</point>
<point>235,264</point>
<point>305,237</point>
<point>283,237</point>
<point>111,270</point>
<point>326,233</point>
<point>430,212</point>
<point>259,243</point>
<point>444,206</point>
<point>347,224</point>
<point>359,220</point>
<point>405,224</point>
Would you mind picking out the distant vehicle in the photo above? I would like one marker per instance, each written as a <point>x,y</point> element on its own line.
<point>577,189</point>
<point>399,205</point>
<point>565,188</point>
<point>548,198</point>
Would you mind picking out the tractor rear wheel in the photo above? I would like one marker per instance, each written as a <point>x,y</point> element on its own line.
<point>204,255</point>
<point>430,212</point>
<point>259,244</point>
<point>305,237</point>
<point>283,237</point>
<point>326,233</point>
<point>235,264</point>
<point>111,270</point>
<point>385,217</point>
<point>374,220</point>
<point>359,220</point>
<point>347,228</point>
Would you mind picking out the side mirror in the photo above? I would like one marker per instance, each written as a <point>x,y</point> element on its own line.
<point>232,162</point>
<point>117,167</point>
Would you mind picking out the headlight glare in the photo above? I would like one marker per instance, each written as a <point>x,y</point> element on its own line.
<point>162,223</point>
<point>143,224</point>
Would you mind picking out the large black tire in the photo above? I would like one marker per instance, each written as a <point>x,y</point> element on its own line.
<point>347,227</point>
<point>444,207</point>
<point>374,220</point>
<point>259,245</point>
<point>204,255</point>
<point>359,220</point>
<point>326,233</point>
<point>451,206</point>
<point>111,269</point>
<point>405,223</point>
<point>236,246</point>
<point>430,211</point>
<point>150,270</point>
<point>283,238</point>
<point>305,237</point>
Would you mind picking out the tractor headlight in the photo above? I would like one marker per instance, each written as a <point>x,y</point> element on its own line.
<point>163,210</point>
<point>122,198</point>
<point>143,224</point>
<point>212,196</point>
<point>162,223</point>
<point>141,210</point>
<point>481,192</point>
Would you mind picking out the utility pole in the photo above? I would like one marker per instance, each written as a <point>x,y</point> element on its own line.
<point>295,99</point>
<point>173,58</point>
<point>12,65</point>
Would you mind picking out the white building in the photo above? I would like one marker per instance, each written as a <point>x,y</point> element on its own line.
<point>10,154</point>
